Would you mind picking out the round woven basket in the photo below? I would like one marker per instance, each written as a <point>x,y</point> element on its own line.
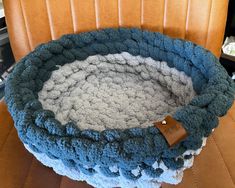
<point>86,104</point>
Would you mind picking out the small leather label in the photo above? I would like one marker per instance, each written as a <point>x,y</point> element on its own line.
<point>172,130</point>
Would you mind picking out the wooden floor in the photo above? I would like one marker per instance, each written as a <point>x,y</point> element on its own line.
<point>214,167</point>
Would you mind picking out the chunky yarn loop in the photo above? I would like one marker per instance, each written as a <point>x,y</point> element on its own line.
<point>126,149</point>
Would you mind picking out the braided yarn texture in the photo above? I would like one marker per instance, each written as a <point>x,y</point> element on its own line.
<point>127,149</point>
<point>117,91</point>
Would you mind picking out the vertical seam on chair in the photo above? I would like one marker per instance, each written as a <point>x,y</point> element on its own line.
<point>194,172</point>
<point>119,13</point>
<point>164,16</point>
<point>26,28</point>
<point>27,176</point>
<point>61,179</point>
<point>208,23</point>
<point>141,13</point>
<point>187,18</point>
<point>49,20</point>
<point>6,138</point>
<point>96,14</point>
<point>226,166</point>
<point>230,114</point>
<point>72,16</point>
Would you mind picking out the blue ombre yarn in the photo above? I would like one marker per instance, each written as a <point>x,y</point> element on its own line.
<point>126,149</point>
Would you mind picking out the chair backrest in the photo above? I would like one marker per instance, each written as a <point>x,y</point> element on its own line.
<point>31,22</point>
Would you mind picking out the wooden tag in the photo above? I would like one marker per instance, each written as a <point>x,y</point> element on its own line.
<point>172,130</point>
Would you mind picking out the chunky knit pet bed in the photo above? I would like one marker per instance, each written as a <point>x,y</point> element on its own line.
<point>85,105</point>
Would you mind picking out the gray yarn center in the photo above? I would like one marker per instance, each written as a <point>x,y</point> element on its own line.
<point>115,91</point>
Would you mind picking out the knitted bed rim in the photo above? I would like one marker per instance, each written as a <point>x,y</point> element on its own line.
<point>129,148</point>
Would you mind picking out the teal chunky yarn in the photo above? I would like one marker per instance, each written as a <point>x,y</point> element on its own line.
<point>130,148</point>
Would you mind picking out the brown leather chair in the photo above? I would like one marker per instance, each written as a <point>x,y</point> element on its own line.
<point>31,22</point>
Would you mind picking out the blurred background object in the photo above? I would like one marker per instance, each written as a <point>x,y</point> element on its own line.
<point>229,46</point>
<point>1,9</point>
<point>6,56</point>
<point>227,59</point>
